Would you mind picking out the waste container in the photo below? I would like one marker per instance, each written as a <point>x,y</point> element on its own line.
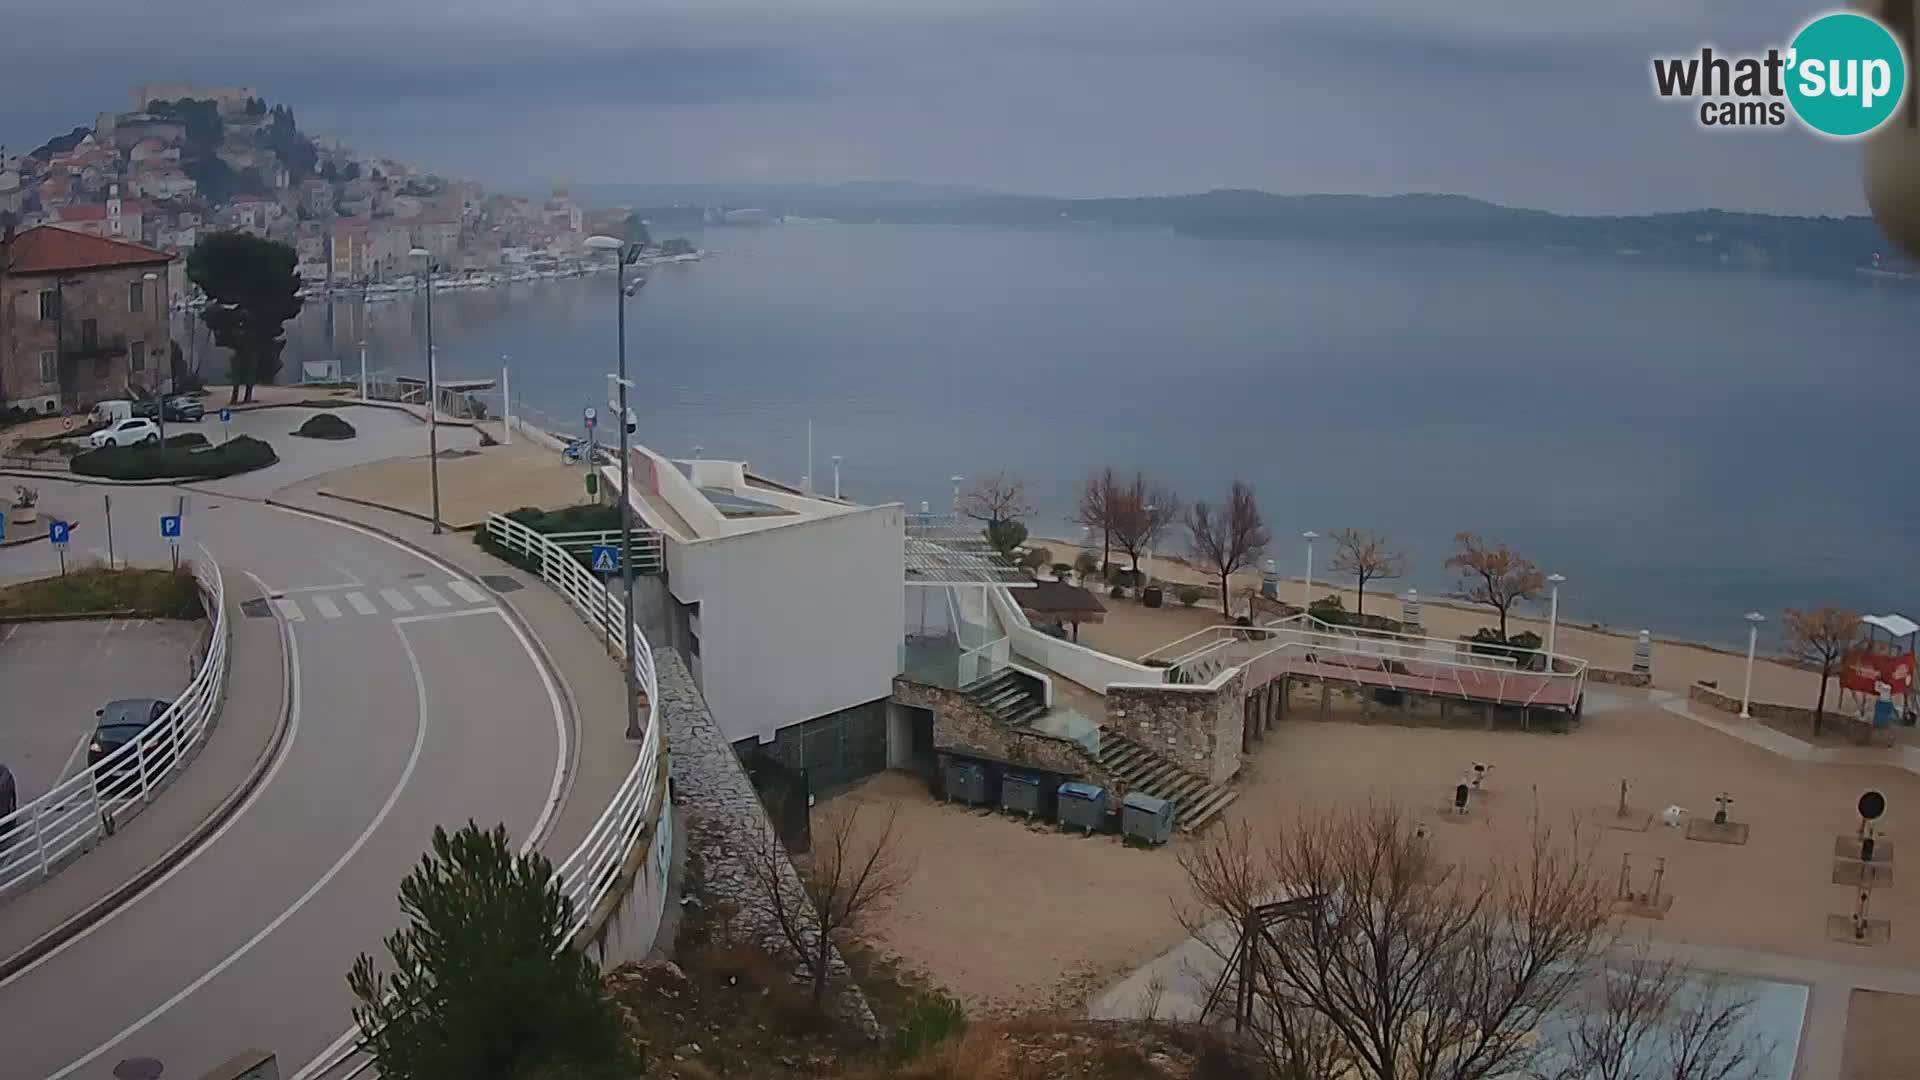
<point>1146,818</point>
<point>1083,806</point>
<point>1021,793</point>
<point>967,782</point>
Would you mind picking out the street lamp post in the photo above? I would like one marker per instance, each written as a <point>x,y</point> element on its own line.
<point>1306,591</point>
<point>1754,619</point>
<point>1553,616</point>
<point>425,258</point>
<point>160,413</point>
<point>836,476</point>
<point>622,254</point>
<point>956,494</point>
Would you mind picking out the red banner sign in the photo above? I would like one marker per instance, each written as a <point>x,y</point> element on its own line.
<point>1865,671</point>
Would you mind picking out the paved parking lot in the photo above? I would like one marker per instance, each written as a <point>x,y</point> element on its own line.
<point>54,674</point>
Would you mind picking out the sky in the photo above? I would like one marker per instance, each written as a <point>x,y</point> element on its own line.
<point>1522,102</point>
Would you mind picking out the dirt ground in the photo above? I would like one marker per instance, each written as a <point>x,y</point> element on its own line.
<point>1132,630</point>
<point>1005,915</point>
<point>1879,1041</point>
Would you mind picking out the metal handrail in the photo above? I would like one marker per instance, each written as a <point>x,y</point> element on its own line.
<point>588,874</point>
<point>39,836</point>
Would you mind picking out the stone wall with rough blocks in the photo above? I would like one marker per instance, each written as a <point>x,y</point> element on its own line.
<point>1197,729</point>
<point>959,724</point>
<point>1609,677</point>
<point>1795,720</point>
<point>727,820</point>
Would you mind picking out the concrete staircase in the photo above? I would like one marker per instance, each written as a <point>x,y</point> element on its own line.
<point>1010,697</point>
<point>1195,801</point>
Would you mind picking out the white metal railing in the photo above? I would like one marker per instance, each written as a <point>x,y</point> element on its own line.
<point>588,874</point>
<point>648,552</point>
<point>38,837</point>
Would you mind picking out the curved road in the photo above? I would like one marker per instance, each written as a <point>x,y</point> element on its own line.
<point>415,703</point>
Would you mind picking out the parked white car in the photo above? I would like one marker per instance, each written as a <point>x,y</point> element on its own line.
<point>129,432</point>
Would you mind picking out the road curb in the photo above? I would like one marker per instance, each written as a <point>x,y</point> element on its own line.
<point>111,902</point>
<point>546,658</point>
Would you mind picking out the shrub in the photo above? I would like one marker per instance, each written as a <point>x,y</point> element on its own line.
<point>325,426</point>
<point>1035,558</point>
<point>1004,536</point>
<point>243,453</point>
<point>1189,595</point>
<point>931,1019</point>
<point>1117,592</point>
<point>1329,609</point>
<point>1061,570</point>
<point>182,441</point>
<point>1086,564</point>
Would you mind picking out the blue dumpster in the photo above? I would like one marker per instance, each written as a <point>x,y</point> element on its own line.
<point>1083,806</point>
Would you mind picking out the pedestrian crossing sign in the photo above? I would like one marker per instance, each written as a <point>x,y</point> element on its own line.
<point>606,559</point>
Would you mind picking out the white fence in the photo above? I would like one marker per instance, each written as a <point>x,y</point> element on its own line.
<point>42,835</point>
<point>588,875</point>
<point>648,553</point>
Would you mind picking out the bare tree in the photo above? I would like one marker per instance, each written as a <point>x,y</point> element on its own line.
<point>1642,1018</point>
<point>1823,637</point>
<point>1228,539</point>
<point>997,498</point>
<point>848,876</point>
<point>1095,508</point>
<point>1366,556</point>
<point>1139,514</point>
<point>1494,576</point>
<point>1400,968</point>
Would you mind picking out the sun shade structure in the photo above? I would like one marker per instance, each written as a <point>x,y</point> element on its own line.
<point>1056,600</point>
<point>930,563</point>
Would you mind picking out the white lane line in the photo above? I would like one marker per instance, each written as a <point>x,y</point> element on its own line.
<point>466,592</point>
<point>78,749</point>
<point>325,605</point>
<point>362,605</point>
<point>442,616</point>
<point>286,750</point>
<point>396,599</point>
<point>288,608</point>
<point>432,596</point>
<point>342,1047</point>
<point>393,797</point>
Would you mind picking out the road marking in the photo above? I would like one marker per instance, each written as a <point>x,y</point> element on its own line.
<point>396,599</point>
<point>344,1046</point>
<point>86,737</point>
<point>442,616</point>
<point>393,797</point>
<point>467,592</point>
<point>288,608</point>
<point>292,645</point>
<point>432,596</point>
<point>361,604</point>
<point>324,603</point>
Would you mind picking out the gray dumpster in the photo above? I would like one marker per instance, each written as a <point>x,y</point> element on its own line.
<point>1144,817</point>
<point>1083,806</point>
<point>967,782</point>
<point>1021,793</point>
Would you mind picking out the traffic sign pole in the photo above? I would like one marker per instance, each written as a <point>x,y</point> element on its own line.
<point>170,532</point>
<point>108,500</point>
<point>225,415</point>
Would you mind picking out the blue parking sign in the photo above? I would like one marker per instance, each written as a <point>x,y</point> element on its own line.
<point>58,532</point>
<point>226,415</point>
<point>606,559</point>
<point>170,527</point>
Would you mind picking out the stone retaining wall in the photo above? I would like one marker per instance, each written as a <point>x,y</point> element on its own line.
<point>1198,729</point>
<point>727,820</point>
<point>1795,720</point>
<point>1609,677</point>
<point>961,724</point>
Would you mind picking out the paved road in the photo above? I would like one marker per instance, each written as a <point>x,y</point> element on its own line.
<point>416,703</point>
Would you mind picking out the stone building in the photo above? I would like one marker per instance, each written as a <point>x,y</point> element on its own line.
<point>81,318</point>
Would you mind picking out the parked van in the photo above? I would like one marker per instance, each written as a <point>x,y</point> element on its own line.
<point>112,412</point>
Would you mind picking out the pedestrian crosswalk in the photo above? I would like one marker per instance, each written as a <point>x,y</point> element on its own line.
<point>329,604</point>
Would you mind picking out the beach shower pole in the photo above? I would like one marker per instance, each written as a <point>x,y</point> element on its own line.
<point>1553,616</point>
<point>1306,591</point>
<point>1754,619</point>
<point>433,393</point>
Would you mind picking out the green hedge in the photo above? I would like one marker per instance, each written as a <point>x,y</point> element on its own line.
<point>190,439</point>
<point>243,453</point>
<point>325,426</point>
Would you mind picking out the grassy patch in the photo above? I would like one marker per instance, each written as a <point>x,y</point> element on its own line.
<point>243,453</point>
<point>169,593</point>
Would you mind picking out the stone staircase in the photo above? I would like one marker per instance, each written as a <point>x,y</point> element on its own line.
<point>1195,801</point>
<point>1010,697</point>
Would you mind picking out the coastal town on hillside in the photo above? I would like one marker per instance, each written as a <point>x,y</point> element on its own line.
<point>184,161</point>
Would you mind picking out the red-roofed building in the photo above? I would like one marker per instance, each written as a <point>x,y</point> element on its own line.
<point>81,318</point>
<point>115,219</point>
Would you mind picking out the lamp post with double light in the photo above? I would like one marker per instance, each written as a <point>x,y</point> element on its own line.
<point>424,259</point>
<point>624,255</point>
<point>1553,616</point>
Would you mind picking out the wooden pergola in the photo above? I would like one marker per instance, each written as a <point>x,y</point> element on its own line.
<point>1061,604</point>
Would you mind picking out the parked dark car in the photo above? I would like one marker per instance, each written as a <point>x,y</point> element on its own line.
<point>179,408</point>
<point>119,723</point>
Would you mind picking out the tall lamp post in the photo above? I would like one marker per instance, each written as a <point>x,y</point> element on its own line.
<point>623,255</point>
<point>424,258</point>
<point>1306,591</point>
<point>1754,619</point>
<point>1553,616</point>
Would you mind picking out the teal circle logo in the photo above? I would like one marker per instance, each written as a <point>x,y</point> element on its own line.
<point>1846,74</point>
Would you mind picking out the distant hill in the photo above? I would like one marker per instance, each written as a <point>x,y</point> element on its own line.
<point>1817,246</point>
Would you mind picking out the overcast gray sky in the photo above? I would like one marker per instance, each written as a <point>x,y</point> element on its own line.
<point>1525,102</point>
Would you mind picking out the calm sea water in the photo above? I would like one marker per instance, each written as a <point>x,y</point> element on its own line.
<point>1683,446</point>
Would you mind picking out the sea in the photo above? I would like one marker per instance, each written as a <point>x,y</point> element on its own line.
<point>1683,445</point>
